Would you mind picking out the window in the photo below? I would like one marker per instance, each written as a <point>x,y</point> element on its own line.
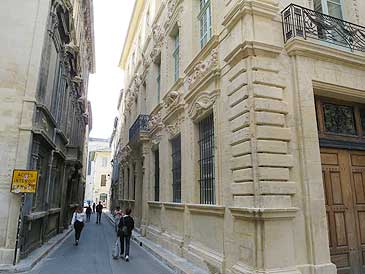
<point>104,162</point>
<point>330,7</point>
<point>339,119</point>
<point>340,123</point>
<point>205,19</point>
<point>89,164</point>
<point>128,176</point>
<point>175,55</point>
<point>103,180</point>
<point>148,17</point>
<point>157,174</point>
<point>134,181</point>
<point>176,169</point>
<point>206,161</point>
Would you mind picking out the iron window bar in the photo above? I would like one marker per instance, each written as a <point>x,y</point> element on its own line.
<point>157,175</point>
<point>206,161</point>
<point>176,169</point>
<point>307,23</point>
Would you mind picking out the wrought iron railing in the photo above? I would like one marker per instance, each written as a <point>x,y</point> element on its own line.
<point>306,23</point>
<point>138,127</point>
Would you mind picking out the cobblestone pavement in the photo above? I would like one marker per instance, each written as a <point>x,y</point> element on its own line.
<point>93,255</point>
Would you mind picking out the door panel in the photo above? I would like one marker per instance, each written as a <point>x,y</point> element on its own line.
<point>336,170</point>
<point>358,185</point>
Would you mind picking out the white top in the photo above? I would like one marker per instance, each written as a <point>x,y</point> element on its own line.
<point>78,216</point>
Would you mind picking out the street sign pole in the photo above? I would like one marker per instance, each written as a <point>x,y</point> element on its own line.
<point>18,230</point>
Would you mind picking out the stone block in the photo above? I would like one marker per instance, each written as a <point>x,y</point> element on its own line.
<point>269,105</point>
<point>273,173</point>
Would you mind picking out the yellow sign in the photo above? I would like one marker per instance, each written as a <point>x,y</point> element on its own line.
<point>24,181</point>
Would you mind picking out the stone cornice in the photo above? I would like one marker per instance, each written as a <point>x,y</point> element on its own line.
<point>315,50</point>
<point>268,9</point>
<point>253,48</point>
<point>330,90</point>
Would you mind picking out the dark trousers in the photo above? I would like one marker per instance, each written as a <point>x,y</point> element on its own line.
<point>88,217</point>
<point>127,240</point>
<point>98,217</point>
<point>78,228</point>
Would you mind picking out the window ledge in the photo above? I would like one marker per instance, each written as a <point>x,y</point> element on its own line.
<point>36,215</point>
<point>174,206</point>
<point>155,204</point>
<point>206,209</point>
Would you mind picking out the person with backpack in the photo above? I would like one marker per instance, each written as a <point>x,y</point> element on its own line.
<point>78,219</point>
<point>125,227</point>
<point>88,213</point>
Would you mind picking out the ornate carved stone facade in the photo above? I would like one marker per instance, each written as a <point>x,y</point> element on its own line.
<point>260,91</point>
<point>45,114</point>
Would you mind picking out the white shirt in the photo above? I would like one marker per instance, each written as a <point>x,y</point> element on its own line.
<point>78,216</point>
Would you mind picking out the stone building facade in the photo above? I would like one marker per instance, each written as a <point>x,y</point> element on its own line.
<point>47,54</point>
<point>240,143</point>
<point>98,175</point>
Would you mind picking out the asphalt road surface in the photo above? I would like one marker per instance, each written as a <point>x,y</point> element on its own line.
<point>93,255</point>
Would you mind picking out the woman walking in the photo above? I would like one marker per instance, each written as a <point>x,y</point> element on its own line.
<point>126,225</point>
<point>77,221</point>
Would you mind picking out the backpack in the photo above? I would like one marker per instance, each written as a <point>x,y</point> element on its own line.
<point>124,229</point>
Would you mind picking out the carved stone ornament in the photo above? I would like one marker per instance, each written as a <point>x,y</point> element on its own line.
<point>174,128</point>
<point>171,5</point>
<point>155,121</point>
<point>173,98</point>
<point>146,61</point>
<point>155,140</point>
<point>203,67</point>
<point>171,9</point>
<point>202,104</point>
<point>157,37</point>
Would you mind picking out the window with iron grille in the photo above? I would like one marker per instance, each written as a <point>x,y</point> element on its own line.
<point>157,174</point>
<point>134,181</point>
<point>103,180</point>
<point>176,169</point>
<point>89,164</point>
<point>206,161</point>
<point>205,18</point>
<point>128,174</point>
<point>175,55</point>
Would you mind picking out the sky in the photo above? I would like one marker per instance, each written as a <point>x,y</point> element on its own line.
<point>111,19</point>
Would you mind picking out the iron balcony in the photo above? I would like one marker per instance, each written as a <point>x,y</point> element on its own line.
<point>139,128</point>
<point>302,22</point>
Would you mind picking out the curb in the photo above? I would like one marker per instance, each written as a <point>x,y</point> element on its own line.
<point>37,255</point>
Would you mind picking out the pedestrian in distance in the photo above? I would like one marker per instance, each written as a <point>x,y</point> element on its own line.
<point>94,205</point>
<point>78,219</point>
<point>118,213</point>
<point>125,227</point>
<point>99,210</point>
<point>88,213</point>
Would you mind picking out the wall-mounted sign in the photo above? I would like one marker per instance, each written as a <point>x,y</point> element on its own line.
<point>24,181</point>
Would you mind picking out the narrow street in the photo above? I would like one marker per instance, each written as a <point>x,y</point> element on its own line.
<point>94,255</point>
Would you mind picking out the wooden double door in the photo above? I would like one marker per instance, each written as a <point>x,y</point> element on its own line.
<point>344,185</point>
